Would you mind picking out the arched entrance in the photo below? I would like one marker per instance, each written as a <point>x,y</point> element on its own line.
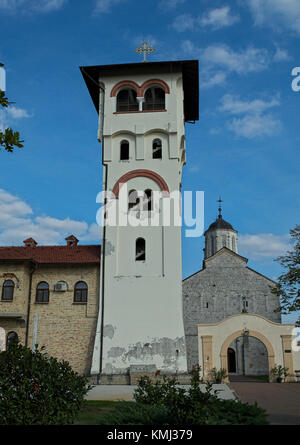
<point>231,360</point>
<point>246,333</point>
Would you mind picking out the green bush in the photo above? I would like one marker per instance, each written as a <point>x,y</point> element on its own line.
<point>36,389</point>
<point>194,407</point>
<point>129,413</point>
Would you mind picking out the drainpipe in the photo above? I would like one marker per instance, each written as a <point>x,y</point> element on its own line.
<point>32,270</point>
<point>102,264</point>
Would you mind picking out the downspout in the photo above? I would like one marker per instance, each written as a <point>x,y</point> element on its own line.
<point>101,139</point>
<point>32,270</point>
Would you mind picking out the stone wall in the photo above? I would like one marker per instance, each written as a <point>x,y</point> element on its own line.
<point>217,292</point>
<point>65,328</point>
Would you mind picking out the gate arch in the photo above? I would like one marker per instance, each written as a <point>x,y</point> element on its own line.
<point>251,333</point>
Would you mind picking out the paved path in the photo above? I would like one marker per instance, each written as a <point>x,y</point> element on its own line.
<point>280,400</point>
<point>125,392</point>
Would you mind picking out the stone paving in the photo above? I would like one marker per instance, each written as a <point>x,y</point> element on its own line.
<point>280,400</point>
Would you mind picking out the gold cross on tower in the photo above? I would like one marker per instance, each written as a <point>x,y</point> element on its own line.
<point>143,50</point>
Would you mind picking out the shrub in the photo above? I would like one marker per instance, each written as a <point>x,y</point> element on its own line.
<point>38,389</point>
<point>196,407</point>
<point>129,413</point>
<point>218,375</point>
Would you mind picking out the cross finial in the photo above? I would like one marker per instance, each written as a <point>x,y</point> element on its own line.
<point>145,49</point>
<point>220,208</point>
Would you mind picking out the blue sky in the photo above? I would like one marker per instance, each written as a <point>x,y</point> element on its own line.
<point>245,146</point>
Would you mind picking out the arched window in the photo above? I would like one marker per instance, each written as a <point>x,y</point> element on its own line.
<point>148,201</point>
<point>156,149</point>
<point>8,290</point>
<point>133,200</point>
<point>140,249</point>
<point>124,151</point>
<point>126,100</point>
<point>42,292</point>
<point>12,337</point>
<point>154,99</point>
<point>80,292</point>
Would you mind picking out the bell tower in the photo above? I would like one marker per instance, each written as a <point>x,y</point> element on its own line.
<point>143,108</point>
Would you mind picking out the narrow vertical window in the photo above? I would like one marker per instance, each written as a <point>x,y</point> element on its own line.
<point>42,293</point>
<point>148,201</point>
<point>8,290</point>
<point>133,200</point>
<point>140,249</point>
<point>124,151</point>
<point>156,149</point>
<point>80,292</point>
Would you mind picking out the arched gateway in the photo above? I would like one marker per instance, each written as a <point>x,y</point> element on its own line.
<point>276,337</point>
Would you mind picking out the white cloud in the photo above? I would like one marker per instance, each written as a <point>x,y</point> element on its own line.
<point>250,60</point>
<point>234,105</point>
<point>42,6</point>
<point>218,18</point>
<point>264,245</point>
<point>209,79</point>
<point>255,122</point>
<point>281,55</point>
<point>276,13</point>
<point>18,222</point>
<point>183,23</point>
<point>170,4</point>
<point>11,113</point>
<point>105,6</point>
<point>252,126</point>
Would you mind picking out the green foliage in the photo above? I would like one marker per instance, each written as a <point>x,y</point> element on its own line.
<point>127,413</point>
<point>280,371</point>
<point>288,288</point>
<point>195,407</point>
<point>218,375</point>
<point>36,389</point>
<point>8,138</point>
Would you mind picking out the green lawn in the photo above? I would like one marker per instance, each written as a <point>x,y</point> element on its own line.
<point>264,378</point>
<point>90,414</point>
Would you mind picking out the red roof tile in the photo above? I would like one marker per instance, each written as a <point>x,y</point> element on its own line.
<point>53,254</point>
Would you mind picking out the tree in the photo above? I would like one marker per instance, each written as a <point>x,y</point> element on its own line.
<point>288,288</point>
<point>9,138</point>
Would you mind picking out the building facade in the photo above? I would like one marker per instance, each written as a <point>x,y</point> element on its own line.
<point>49,297</point>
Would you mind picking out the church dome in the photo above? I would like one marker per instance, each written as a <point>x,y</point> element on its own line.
<point>220,223</point>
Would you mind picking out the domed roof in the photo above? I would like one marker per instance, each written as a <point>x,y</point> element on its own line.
<point>220,223</point>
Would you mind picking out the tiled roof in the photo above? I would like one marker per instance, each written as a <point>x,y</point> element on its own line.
<point>52,254</point>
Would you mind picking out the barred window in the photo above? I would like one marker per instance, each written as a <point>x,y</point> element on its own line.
<point>154,99</point>
<point>126,100</point>
<point>8,290</point>
<point>42,292</point>
<point>80,292</point>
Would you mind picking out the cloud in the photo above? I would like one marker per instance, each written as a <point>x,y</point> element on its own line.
<point>105,6</point>
<point>281,55</point>
<point>219,18</point>
<point>170,4</point>
<point>209,79</point>
<point>234,105</point>
<point>18,222</point>
<point>264,245</point>
<point>184,22</point>
<point>215,19</point>
<point>277,14</point>
<point>39,6</point>
<point>250,60</point>
<point>7,115</point>
<point>254,122</point>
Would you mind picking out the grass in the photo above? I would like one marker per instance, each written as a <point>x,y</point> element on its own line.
<point>93,409</point>
<point>264,378</point>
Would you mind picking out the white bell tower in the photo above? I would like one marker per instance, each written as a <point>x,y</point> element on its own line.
<point>142,111</point>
